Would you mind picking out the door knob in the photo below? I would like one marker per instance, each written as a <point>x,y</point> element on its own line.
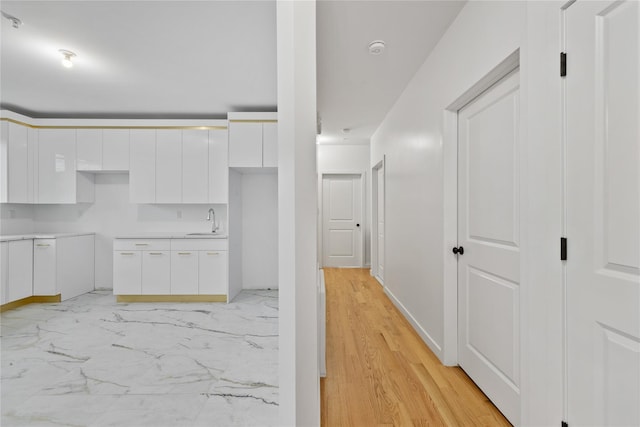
<point>357,225</point>
<point>458,250</point>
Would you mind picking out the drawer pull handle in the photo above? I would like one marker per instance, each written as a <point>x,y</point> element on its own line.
<point>184,253</point>
<point>126,253</point>
<point>43,245</point>
<point>213,253</point>
<point>142,244</point>
<point>155,253</point>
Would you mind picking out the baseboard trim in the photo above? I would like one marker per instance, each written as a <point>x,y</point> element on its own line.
<point>35,299</point>
<point>431,343</point>
<point>171,298</point>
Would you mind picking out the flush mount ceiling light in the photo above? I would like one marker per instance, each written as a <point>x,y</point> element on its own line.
<point>67,55</point>
<point>376,47</point>
<point>15,22</point>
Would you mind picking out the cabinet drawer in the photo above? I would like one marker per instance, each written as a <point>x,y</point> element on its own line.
<point>199,244</point>
<point>141,245</point>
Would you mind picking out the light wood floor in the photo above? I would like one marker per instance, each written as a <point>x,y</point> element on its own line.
<point>379,371</point>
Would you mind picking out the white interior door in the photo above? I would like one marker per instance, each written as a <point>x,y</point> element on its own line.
<point>380,218</point>
<point>488,232</point>
<point>342,220</point>
<point>603,213</point>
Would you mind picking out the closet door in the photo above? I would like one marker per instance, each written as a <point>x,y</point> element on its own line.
<point>603,213</point>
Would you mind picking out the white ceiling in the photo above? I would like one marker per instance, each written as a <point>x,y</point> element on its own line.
<point>167,59</point>
<point>202,59</point>
<point>356,89</point>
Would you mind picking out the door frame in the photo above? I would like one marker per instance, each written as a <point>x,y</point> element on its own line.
<point>363,175</point>
<point>450,209</point>
<point>374,217</point>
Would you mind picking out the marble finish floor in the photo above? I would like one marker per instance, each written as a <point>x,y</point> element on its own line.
<point>89,361</point>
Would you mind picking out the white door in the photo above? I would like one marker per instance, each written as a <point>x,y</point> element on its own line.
<point>603,213</point>
<point>488,232</point>
<point>341,218</point>
<point>380,218</point>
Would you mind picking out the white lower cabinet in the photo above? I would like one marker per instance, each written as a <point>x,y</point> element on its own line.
<point>184,272</point>
<point>64,266</point>
<point>44,267</point>
<point>156,272</point>
<point>4,266</point>
<point>212,268</point>
<point>20,270</point>
<point>127,272</point>
<point>170,267</point>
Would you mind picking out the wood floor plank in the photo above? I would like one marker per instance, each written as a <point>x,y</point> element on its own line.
<point>381,373</point>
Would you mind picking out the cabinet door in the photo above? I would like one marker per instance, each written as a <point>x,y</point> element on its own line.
<point>195,166</point>
<point>115,149</point>
<point>142,177</point>
<point>18,160</point>
<point>4,161</point>
<point>20,271</point>
<point>127,273</point>
<point>218,166</point>
<point>89,149</point>
<point>184,272</point>
<point>156,272</point>
<point>4,266</point>
<point>270,145</point>
<point>213,272</point>
<point>57,166</point>
<point>245,144</point>
<point>168,166</point>
<point>44,267</point>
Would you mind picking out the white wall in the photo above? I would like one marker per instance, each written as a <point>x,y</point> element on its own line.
<point>111,215</point>
<point>347,158</point>
<point>260,231</point>
<point>16,219</point>
<point>299,378</point>
<point>412,137</point>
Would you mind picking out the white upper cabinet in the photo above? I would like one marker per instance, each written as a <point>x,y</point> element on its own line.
<point>17,164</point>
<point>245,145</point>
<point>253,140</point>
<point>58,181</point>
<point>168,166</point>
<point>218,166</point>
<point>195,166</point>
<point>115,149</point>
<point>270,145</point>
<point>102,149</point>
<point>142,176</point>
<point>89,149</point>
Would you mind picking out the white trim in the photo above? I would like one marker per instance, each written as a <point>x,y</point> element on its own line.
<point>450,204</point>
<point>433,345</point>
<point>374,218</point>
<point>363,219</point>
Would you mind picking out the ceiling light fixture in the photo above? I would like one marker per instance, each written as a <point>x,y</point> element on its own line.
<point>67,55</point>
<point>376,47</point>
<point>15,22</point>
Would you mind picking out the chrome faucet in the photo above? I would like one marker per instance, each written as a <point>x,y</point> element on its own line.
<point>212,217</point>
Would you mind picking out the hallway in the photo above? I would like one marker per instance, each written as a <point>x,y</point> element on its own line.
<point>379,372</point>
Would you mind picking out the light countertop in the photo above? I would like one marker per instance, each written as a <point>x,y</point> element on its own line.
<point>172,235</point>
<point>38,235</point>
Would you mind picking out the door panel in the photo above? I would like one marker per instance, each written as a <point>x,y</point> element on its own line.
<point>342,228</point>
<point>488,230</point>
<point>603,213</point>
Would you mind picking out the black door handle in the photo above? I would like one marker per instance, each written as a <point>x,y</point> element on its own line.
<point>458,251</point>
<point>357,225</point>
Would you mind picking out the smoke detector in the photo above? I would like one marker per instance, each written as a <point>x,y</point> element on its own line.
<point>376,47</point>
